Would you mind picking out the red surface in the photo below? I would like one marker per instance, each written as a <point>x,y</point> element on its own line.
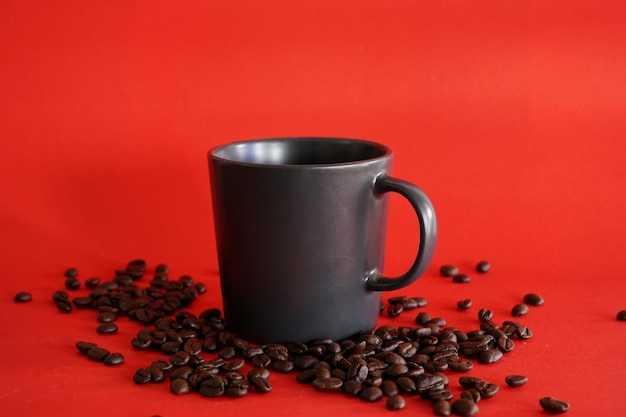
<point>509,115</point>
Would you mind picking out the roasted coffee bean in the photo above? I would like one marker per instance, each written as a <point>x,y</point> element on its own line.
<point>260,384</point>
<point>464,304</point>
<point>156,374</point>
<point>621,315</point>
<point>394,310</point>
<point>84,347</point>
<point>395,402</point>
<point>406,385</point>
<point>460,365</point>
<point>22,297</point>
<point>261,360</point>
<point>98,354</point>
<point>352,387</point>
<point>357,371</point>
<point>306,376</point>
<point>427,382</point>
<point>92,282</point>
<point>461,278</point>
<point>448,270</point>
<point>469,381</point>
<point>64,306</point>
<point>487,389</point>
<point>471,395</point>
<point>483,266</point>
<point>283,366</point>
<point>519,310</point>
<point>234,365</point>
<point>464,407</point>
<point>258,372</point>
<point>505,344</point>
<point>141,376</point>
<point>212,386</point>
<point>107,328</point>
<point>70,272</point>
<point>422,318</point>
<point>107,317</point>
<point>114,359</point>
<point>442,408</point>
<point>437,395</point>
<point>237,388</point>
<point>516,380</point>
<point>82,302</point>
<point>490,356</point>
<point>485,314</point>
<point>553,406</point>
<point>523,332</point>
<point>184,372</point>
<point>389,388</point>
<point>60,295</point>
<point>72,283</point>
<point>371,394</point>
<point>179,386</point>
<point>180,358</point>
<point>533,299</point>
<point>329,384</point>
<point>396,370</point>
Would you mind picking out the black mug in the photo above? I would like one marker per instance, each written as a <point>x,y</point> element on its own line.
<point>300,227</point>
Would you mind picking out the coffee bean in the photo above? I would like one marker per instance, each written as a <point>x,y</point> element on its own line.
<point>107,317</point>
<point>487,389</point>
<point>98,354</point>
<point>490,356</point>
<point>519,310</point>
<point>422,318</point>
<point>371,394</point>
<point>84,347</point>
<point>22,297</point>
<point>442,408</point>
<point>448,270</point>
<point>460,365</point>
<point>70,272</point>
<point>505,344</point>
<point>464,407</point>
<point>469,381</point>
<point>92,282</point>
<point>261,385</point>
<point>72,283</point>
<point>107,328</point>
<point>82,302</point>
<point>483,266</point>
<point>114,359</point>
<point>461,278</point>
<point>472,395</point>
<point>553,406</point>
<point>533,299</point>
<point>141,376</point>
<point>395,402</point>
<point>329,384</point>
<point>464,304</point>
<point>237,388</point>
<point>64,306</point>
<point>179,386</point>
<point>389,388</point>
<point>60,295</point>
<point>427,382</point>
<point>485,314</point>
<point>516,380</point>
<point>621,315</point>
<point>394,310</point>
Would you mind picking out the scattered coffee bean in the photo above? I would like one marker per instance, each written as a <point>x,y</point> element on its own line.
<point>141,376</point>
<point>442,408</point>
<point>516,380</point>
<point>329,384</point>
<point>395,402</point>
<point>464,407</point>
<point>533,299</point>
<point>469,381</point>
<point>461,278</point>
<point>464,304</point>
<point>621,315</point>
<point>64,306</point>
<point>72,283</point>
<point>553,406</point>
<point>84,347</point>
<point>107,317</point>
<point>519,310</point>
<point>448,270</point>
<point>371,394</point>
<point>485,314</point>
<point>107,328</point>
<point>490,356</point>
<point>114,359</point>
<point>70,272</point>
<point>22,297</point>
<point>483,266</point>
<point>98,354</point>
<point>472,395</point>
<point>179,386</point>
<point>92,282</point>
<point>487,389</point>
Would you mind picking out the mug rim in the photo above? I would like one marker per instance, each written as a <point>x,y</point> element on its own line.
<point>384,151</point>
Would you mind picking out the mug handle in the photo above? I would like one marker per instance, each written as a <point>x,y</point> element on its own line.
<point>428,233</point>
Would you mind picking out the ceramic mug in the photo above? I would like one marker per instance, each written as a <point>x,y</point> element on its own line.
<point>300,228</point>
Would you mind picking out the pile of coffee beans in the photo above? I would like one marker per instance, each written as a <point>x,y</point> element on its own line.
<point>392,363</point>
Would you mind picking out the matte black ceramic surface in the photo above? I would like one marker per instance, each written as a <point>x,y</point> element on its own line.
<point>300,228</point>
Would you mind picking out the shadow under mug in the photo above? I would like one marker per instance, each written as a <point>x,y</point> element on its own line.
<point>300,227</point>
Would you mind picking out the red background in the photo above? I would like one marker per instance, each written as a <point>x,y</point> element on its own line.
<point>510,115</point>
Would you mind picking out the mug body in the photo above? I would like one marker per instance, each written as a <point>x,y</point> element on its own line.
<point>299,229</point>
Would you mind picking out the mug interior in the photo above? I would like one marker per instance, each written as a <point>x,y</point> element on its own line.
<point>300,151</point>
